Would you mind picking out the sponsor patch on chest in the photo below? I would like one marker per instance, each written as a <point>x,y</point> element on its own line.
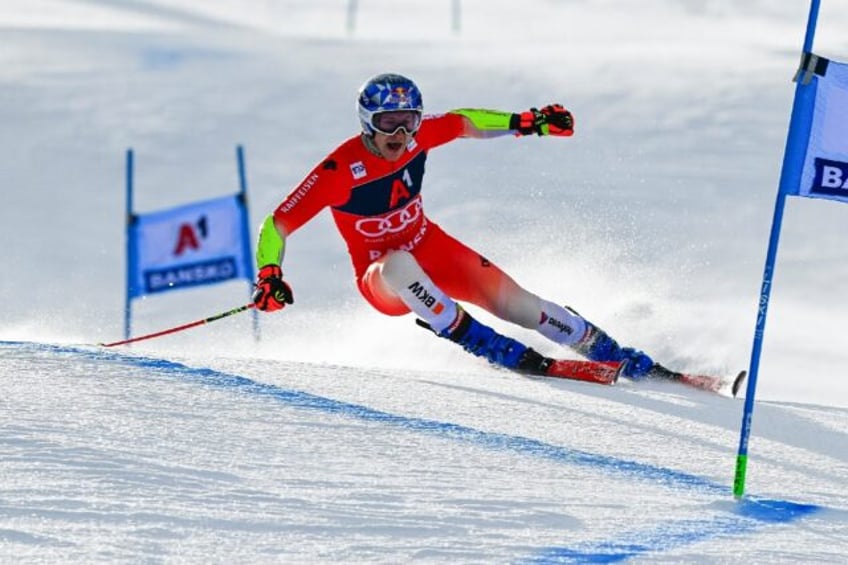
<point>358,171</point>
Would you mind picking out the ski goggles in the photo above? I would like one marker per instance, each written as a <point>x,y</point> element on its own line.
<point>389,123</point>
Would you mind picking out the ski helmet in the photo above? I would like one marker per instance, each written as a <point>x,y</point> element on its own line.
<point>386,93</point>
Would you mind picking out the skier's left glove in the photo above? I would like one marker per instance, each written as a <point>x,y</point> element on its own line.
<point>553,119</point>
<point>271,292</point>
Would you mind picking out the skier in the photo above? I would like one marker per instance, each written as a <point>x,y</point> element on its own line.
<point>404,262</point>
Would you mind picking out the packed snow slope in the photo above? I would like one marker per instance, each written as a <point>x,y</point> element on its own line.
<point>347,436</point>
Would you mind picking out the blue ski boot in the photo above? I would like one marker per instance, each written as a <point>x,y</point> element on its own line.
<point>596,345</point>
<point>483,341</point>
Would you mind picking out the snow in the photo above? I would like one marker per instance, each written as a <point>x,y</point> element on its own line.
<point>345,436</point>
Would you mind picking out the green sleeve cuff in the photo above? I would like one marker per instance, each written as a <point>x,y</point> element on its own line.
<point>486,120</point>
<point>271,244</point>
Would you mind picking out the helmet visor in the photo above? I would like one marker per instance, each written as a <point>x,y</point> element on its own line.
<point>390,122</point>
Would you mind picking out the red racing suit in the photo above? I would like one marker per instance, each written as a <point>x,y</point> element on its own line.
<point>377,207</point>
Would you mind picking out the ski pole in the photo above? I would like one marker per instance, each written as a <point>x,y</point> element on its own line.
<point>183,327</point>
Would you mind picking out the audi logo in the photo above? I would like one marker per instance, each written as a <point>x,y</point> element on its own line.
<point>393,222</point>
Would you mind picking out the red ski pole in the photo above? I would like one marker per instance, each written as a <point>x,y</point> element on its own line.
<point>183,327</point>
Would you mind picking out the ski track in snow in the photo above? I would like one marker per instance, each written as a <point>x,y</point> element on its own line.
<point>707,516</point>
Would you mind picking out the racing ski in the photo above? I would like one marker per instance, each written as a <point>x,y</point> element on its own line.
<point>608,373</point>
<point>703,382</point>
<point>601,373</point>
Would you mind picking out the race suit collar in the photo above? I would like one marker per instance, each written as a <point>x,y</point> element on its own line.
<point>368,141</point>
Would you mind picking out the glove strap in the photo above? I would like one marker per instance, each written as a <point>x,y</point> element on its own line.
<point>270,272</point>
<point>529,122</point>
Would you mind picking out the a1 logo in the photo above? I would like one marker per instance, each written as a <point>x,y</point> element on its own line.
<point>187,238</point>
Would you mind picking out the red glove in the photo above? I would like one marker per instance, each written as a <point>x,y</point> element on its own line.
<point>272,293</point>
<point>553,119</point>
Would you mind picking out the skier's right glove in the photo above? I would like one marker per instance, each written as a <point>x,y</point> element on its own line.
<point>553,119</point>
<point>271,292</point>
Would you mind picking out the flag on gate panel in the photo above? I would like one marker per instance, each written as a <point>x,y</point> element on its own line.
<point>823,119</point>
<point>192,245</point>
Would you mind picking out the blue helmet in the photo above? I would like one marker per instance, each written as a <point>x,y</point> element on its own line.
<point>386,93</point>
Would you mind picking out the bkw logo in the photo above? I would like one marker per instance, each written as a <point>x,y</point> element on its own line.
<point>831,178</point>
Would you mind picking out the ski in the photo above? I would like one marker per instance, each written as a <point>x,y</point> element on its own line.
<point>533,363</point>
<point>703,382</point>
<point>608,373</point>
<point>737,382</point>
<point>589,371</point>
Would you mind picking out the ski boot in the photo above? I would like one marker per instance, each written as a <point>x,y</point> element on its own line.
<point>596,345</point>
<point>483,341</point>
